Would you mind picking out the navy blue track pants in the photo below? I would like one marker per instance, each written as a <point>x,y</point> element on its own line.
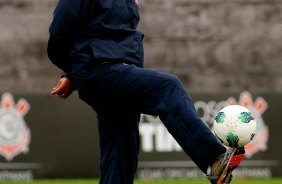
<point>119,93</point>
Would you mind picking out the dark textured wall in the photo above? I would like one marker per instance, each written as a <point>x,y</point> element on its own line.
<point>216,45</point>
<point>24,66</point>
<point>212,45</point>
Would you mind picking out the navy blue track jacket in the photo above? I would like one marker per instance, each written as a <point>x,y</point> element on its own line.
<point>84,31</point>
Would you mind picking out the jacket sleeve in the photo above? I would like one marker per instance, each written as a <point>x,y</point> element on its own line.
<point>63,31</point>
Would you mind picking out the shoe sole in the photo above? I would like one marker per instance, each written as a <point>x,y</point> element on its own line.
<point>238,155</point>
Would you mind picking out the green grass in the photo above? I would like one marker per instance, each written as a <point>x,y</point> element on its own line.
<point>90,181</point>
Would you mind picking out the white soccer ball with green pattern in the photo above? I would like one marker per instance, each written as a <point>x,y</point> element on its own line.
<point>234,126</point>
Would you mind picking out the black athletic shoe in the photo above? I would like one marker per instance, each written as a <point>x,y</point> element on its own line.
<point>221,170</point>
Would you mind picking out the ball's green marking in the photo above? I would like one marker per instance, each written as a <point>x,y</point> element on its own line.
<point>245,117</point>
<point>220,117</point>
<point>232,139</point>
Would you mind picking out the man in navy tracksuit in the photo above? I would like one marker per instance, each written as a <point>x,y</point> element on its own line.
<point>97,45</point>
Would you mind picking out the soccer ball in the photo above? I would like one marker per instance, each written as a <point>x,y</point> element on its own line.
<point>234,126</point>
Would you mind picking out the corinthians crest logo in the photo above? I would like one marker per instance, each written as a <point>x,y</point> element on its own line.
<point>14,134</point>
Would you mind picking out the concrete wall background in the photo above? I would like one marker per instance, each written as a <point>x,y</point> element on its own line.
<point>212,45</point>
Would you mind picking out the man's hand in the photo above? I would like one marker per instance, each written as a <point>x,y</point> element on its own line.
<point>63,89</point>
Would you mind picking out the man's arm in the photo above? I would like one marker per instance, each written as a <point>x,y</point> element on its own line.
<point>63,31</point>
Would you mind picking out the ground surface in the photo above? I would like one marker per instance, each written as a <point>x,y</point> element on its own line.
<point>90,181</point>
